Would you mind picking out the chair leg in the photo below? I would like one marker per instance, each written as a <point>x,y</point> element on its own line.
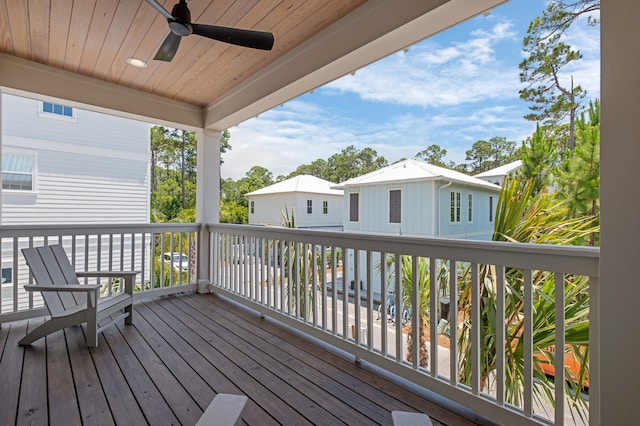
<point>92,337</point>
<point>92,321</point>
<point>129,319</point>
<point>40,331</point>
<point>128,283</point>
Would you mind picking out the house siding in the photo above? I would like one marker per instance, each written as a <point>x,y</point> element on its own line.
<point>268,208</point>
<point>416,205</point>
<point>93,168</point>
<point>480,228</point>
<point>425,210</point>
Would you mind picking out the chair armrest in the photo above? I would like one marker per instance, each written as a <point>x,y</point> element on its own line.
<point>128,276</point>
<point>107,274</point>
<point>62,287</point>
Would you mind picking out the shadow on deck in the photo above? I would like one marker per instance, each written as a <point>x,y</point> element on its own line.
<point>181,351</point>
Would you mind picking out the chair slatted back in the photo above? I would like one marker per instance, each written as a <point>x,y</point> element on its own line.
<point>49,265</point>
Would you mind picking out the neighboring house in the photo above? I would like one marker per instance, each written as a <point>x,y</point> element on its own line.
<point>415,198</point>
<point>313,202</point>
<point>412,197</point>
<point>498,175</point>
<point>64,165</point>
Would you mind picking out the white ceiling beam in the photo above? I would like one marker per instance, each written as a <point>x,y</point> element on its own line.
<point>32,79</point>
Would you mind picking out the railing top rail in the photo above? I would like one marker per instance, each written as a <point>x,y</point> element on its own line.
<point>11,231</point>
<point>555,258</point>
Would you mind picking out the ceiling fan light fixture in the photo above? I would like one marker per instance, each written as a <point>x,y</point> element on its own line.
<point>137,63</point>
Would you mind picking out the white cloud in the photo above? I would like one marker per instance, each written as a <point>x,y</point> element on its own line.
<point>431,75</point>
<point>450,93</point>
<point>282,145</point>
<point>586,72</point>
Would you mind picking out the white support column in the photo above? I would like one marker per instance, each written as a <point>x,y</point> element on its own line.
<point>1,150</point>
<point>207,198</point>
<point>620,214</point>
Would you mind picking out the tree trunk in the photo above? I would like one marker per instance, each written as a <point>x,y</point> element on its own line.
<point>572,119</point>
<point>422,351</point>
<point>154,183</point>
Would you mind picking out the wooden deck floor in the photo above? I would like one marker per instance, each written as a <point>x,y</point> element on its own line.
<point>181,351</point>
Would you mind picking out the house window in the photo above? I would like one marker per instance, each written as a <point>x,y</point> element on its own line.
<point>7,275</point>
<point>395,206</point>
<point>455,207</point>
<point>57,109</point>
<point>354,201</point>
<point>253,207</point>
<point>490,209</point>
<point>325,207</point>
<point>470,208</point>
<point>309,206</point>
<point>17,172</point>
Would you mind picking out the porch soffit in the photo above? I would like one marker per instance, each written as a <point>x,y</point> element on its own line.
<point>77,50</point>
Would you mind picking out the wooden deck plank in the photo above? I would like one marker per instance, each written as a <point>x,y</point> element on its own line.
<point>149,398</point>
<point>330,394</point>
<point>11,365</point>
<point>115,386</point>
<point>263,395</point>
<point>184,407</point>
<point>94,408</point>
<point>316,409</point>
<point>32,408</point>
<point>179,367</point>
<point>374,386</point>
<point>252,414</point>
<point>181,351</point>
<point>63,406</point>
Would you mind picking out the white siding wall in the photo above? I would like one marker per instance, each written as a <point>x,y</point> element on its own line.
<point>480,228</point>
<point>419,210</point>
<point>317,219</point>
<point>93,168</point>
<point>268,208</point>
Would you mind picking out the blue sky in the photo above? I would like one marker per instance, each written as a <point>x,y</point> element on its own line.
<point>452,89</point>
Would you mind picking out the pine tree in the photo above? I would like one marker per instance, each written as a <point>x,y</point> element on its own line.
<point>539,157</point>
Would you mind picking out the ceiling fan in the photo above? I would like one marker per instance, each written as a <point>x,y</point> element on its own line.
<point>180,25</point>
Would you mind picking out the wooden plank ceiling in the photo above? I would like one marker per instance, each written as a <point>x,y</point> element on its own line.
<point>95,37</point>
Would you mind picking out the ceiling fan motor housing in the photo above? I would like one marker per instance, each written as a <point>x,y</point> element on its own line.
<point>181,25</point>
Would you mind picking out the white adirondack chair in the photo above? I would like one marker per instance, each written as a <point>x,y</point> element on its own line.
<point>71,303</point>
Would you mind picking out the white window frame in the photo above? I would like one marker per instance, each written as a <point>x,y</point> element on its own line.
<point>54,115</point>
<point>325,207</point>
<point>470,208</point>
<point>455,199</point>
<point>34,171</point>
<point>252,207</point>
<point>309,206</point>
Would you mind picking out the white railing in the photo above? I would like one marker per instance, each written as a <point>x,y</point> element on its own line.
<point>298,277</point>
<point>140,247</point>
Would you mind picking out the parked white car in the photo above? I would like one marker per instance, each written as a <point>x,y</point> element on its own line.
<point>179,261</point>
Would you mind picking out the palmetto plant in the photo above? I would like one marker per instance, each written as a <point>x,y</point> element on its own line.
<point>524,217</point>
<point>301,265</point>
<point>423,280</point>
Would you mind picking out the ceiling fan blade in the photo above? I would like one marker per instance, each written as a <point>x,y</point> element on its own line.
<point>169,48</point>
<point>157,6</point>
<point>245,38</point>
